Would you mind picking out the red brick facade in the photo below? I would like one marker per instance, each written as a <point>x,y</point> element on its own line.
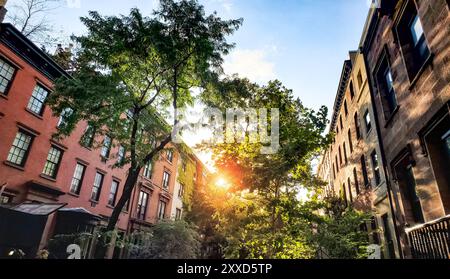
<point>27,183</point>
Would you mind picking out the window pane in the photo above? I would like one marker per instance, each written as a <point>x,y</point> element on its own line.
<point>97,186</point>
<point>416,30</point>
<point>113,193</point>
<point>36,103</point>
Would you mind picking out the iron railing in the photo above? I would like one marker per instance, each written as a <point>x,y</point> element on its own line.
<point>431,240</point>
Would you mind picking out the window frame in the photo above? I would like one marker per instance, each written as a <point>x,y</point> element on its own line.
<point>414,58</point>
<point>162,209</point>
<point>26,152</point>
<point>169,155</point>
<point>114,197</point>
<point>164,186</point>
<point>13,76</point>
<point>365,174</point>
<point>97,187</point>
<point>148,170</point>
<point>56,165</point>
<point>106,148</point>
<point>80,180</point>
<point>141,207</point>
<point>33,98</point>
<point>376,167</point>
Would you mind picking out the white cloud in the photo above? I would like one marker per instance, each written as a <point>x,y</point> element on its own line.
<point>250,63</point>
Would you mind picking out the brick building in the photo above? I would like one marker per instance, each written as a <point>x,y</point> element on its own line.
<point>38,169</point>
<point>407,50</point>
<point>352,165</point>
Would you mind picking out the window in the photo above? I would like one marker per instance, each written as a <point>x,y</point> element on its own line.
<point>113,193</point>
<point>345,154</point>
<point>352,90</point>
<point>161,210</point>
<point>367,121</point>
<point>340,156</point>
<point>106,149</point>
<point>169,155</point>
<point>340,121</point>
<point>376,167</point>
<point>166,180</point>
<point>374,231</point>
<point>344,194</point>
<point>97,188</point>
<point>337,164</point>
<point>20,148</point>
<point>88,138</point>
<point>364,171</point>
<point>148,170</point>
<point>357,128</point>
<point>66,113</point>
<point>77,180</point>
<point>7,72</point>
<point>360,80</point>
<point>412,40</point>
<point>121,155</point>
<point>385,84</point>
<point>349,183</point>
<point>37,100</point>
<point>345,108</point>
<point>178,214</point>
<point>52,163</point>
<point>404,175</point>
<point>5,199</point>
<point>334,172</point>
<point>181,191</point>
<point>142,206</point>
<point>184,166</point>
<point>350,142</point>
<point>355,178</point>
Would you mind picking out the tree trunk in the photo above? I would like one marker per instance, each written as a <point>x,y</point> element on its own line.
<point>131,181</point>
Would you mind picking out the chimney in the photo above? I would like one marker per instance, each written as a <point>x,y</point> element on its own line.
<point>3,10</point>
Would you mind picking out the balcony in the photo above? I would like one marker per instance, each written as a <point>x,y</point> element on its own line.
<point>431,240</point>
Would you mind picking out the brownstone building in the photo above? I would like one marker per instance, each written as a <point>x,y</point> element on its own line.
<point>352,165</point>
<point>77,181</point>
<point>407,51</point>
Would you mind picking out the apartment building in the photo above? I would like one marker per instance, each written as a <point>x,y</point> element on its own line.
<point>407,50</point>
<point>353,161</point>
<point>69,179</point>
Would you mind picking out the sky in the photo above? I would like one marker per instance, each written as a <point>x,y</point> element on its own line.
<point>302,43</point>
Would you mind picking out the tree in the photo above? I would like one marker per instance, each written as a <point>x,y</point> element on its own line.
<point>338,234</point>
<point>131,71</point>
<point>262,216</point>
<point>168,240</point>
<point>31,18</point>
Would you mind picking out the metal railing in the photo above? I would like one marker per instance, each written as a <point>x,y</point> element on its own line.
<point>431,240</point>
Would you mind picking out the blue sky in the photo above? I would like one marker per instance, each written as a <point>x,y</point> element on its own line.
<point>303,43</point>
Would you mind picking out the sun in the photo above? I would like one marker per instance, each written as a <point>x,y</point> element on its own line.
<point>222,183</point>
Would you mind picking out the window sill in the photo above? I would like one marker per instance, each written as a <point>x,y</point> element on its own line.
<point>73,194</point>
<point>93,201</point>
<point>12,165</point>
<point>390,118</point>
<point>46,177</point>
<point>34,114</point>
<point>4,96</point>
<point>425,64</point>
<point>369,132</point>
<point>110,206</point>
